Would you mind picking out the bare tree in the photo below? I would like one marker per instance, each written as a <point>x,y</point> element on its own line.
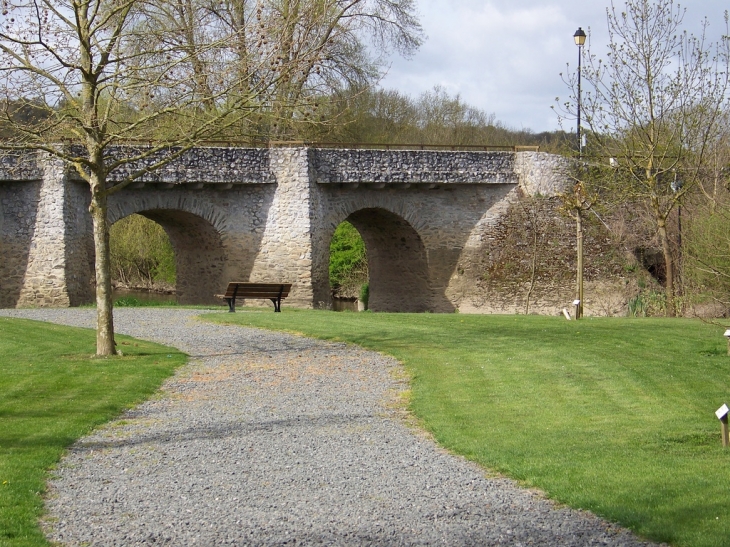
<point>311,47</point>
<point>82,68</point>
<point>653,107</point>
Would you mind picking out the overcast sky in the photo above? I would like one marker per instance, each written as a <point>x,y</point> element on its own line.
<point>506,56</point>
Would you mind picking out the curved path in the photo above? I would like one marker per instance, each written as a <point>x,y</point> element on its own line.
<point>270,439</point>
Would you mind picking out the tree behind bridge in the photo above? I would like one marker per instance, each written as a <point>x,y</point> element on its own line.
<point>653,107</point>
<point>85,73</point>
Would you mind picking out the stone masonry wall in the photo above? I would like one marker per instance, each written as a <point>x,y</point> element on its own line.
<point>206,164</point>
<point>412,166</point>
<point>285,253</point>
<point>44,283</point>
<point>18,211</point>
<point>20,166</point>
<point>528,264</point>
<point>269,215</point>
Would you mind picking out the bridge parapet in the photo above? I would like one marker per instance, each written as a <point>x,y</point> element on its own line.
<point>206,164</point>
<point>542,174</point>
<point>536,172</point>
<point>352,166</point>
<point>20,166</point>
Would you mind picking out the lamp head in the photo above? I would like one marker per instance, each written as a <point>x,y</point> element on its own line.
<point>579,37</point>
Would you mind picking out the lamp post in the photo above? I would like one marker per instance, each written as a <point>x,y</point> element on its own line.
<point>580,39</point>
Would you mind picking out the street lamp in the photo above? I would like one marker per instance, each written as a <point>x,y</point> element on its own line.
<point>580,39</point>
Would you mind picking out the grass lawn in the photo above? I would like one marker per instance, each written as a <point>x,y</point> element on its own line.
<point>53,391</point>
<point>612,415</point>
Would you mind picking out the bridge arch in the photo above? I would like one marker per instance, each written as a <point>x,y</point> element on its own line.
<point>397,261</point>
<point>200,257</point>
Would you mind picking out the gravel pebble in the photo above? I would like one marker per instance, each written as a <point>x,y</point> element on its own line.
<point>270,439</point>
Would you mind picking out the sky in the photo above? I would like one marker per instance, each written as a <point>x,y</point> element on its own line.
<point>506,56</point>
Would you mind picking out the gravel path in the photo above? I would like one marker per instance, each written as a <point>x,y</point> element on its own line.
<point>271,439</point>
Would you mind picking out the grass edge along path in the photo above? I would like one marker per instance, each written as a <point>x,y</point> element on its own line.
<point>53,390</point>
<point>612,415</point>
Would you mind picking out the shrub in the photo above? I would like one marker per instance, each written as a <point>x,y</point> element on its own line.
<point>348,260</point>
<point>141,253</point>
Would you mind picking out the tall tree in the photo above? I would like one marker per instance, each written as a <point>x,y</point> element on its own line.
<point>311,47</point>
<point>85,71</point>
<point>653,106</point>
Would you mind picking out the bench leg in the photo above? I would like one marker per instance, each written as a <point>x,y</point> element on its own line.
<point>277,304</point>
<point>231,304</point>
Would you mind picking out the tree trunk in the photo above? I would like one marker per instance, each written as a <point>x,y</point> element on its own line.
<point>104,318</point>
<point>579,268</point>
<point>668,267</point>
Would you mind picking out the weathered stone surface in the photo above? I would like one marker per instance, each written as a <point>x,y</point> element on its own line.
<point>269,215</point>
<point>18,211</point>
<point>44,282</point>
<point>412,166</point>
<point>213,165</point>
<point>18,166</point>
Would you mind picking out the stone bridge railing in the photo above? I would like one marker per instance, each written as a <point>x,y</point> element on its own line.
<point>537,172</point>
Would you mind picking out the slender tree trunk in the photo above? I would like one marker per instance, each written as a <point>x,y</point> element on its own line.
<point>533,266</point>
<point>579,269</point>
<point>668,266</point>
<point>104,317</point>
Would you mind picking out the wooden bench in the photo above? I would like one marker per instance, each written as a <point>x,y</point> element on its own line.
<point>273,291</point>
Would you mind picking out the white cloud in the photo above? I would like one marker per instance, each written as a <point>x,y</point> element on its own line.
<point>506,57</point>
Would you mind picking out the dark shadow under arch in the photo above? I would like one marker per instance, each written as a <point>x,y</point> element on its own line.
<point>397,261</point>
<point>199,254</point>
<point>17,230</point>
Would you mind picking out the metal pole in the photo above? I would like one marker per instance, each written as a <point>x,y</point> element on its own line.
<point>580,140</point>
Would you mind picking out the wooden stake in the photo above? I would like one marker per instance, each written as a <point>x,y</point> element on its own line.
<point>725,436</point>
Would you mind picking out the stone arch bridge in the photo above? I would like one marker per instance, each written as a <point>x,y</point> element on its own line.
<point>269,215</point>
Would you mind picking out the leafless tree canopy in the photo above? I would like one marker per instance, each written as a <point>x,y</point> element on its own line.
<point>653,106</point>
<point>173,73</point>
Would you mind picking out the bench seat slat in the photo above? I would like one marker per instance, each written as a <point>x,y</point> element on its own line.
<point>259,286</point>
<point>257,296</point>
<point>263,294</point>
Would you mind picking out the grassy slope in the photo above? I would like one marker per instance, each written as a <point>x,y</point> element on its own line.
<point>52,391</point>
<point>611,415</point>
